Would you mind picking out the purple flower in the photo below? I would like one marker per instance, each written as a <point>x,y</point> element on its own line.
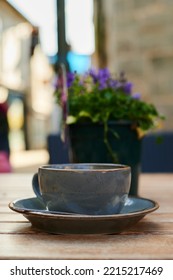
<point>100,79</point>
<point>113,84</point>
<point>136,95</point>
<point>104,74</point>
<point>70,79</point>
<point>103,78</point>
<point>94,75</point>
<point>128,87</point>
<point>125,86</point>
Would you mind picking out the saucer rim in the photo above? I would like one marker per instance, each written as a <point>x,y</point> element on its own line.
<point>40,213</point>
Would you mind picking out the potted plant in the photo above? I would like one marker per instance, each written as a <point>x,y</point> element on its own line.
<point>106,120</point>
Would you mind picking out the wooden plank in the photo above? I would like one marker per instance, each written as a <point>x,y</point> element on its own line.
<point>151,238</point>
<point>16,194</point>
<point>161,217</point>
<point>22,227</point>
<point>46,246</point>
<point>9,197</point>
<point>11,217</point>
<point>13,180</point>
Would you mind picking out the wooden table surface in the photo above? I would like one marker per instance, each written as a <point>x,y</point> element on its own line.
<point>151,238</point>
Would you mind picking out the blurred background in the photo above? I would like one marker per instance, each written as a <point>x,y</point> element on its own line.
<point>135,36</point>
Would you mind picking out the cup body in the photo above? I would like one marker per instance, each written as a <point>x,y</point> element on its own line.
<point>92,189</point>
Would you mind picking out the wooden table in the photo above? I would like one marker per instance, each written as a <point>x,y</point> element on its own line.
<point>151,238</point>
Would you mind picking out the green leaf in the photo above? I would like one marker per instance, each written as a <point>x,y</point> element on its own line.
<point>71,119</point>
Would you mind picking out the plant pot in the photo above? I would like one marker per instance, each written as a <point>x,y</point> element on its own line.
<point>87,146</point>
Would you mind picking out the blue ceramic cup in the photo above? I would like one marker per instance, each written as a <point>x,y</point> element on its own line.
<point>88,188</point>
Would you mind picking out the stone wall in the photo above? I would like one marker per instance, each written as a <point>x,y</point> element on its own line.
<point>139,40</point>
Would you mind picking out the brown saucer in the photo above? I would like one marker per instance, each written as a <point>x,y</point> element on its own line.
<point>34,210</point>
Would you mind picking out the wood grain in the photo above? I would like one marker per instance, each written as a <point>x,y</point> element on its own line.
<point>151,238</point>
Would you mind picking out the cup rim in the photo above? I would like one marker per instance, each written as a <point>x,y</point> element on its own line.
<point>80,167</point>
